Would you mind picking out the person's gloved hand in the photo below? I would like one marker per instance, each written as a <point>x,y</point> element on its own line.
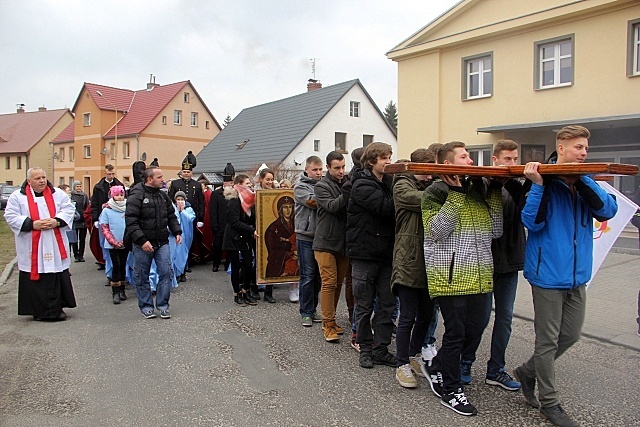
<point>96,224</point>
<point>200,224</point>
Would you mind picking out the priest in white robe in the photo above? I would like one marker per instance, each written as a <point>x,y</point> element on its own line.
<point>39,216</point>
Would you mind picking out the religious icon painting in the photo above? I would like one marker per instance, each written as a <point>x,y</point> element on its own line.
<point>277,257</point>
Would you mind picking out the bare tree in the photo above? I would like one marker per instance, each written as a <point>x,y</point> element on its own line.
<point>280,170</point>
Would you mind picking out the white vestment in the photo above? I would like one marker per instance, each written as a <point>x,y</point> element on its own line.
<point>49,256</point>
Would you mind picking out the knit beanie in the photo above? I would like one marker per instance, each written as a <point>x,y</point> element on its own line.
<point>180,194</point>
<point>116,190</point>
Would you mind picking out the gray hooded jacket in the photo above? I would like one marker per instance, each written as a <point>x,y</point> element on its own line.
<point>306,208</point>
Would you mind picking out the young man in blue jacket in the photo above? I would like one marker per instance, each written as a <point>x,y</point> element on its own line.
<point>559,214</point>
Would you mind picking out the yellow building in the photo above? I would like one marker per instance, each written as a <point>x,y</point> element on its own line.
<point>120,126</point>
<point>486,70</point>
<point>25,141</point>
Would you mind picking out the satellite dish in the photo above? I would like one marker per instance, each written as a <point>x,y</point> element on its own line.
<point>143,157</point>
<point>298,159</point>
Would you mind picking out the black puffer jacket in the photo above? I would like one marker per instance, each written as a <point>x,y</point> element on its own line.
<point>238,234</point>
<point>370,218</point>
<point>508,250</point>
<point>149,213</point>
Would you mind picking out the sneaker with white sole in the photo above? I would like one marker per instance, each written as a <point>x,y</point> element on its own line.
<point>316,317</point>
<point>149,314</point>
<point>404,375</point>
<point>164,314</point>
<point>294,295</point>
<point>435,381</point>
<point>458,402</point>
<point>417,364</point>
<point>502,379</point>
<point>306,321</point>
<point>429,352</point>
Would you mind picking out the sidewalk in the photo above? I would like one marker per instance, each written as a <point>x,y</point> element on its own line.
<point>612,301</point>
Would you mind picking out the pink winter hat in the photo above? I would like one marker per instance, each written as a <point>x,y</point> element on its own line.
<point>116,190</point>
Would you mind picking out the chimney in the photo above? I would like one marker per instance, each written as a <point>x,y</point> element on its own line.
<point>42,108</point>
<point>313,85</point>
<point>152,82</point>
<point>20,108</point>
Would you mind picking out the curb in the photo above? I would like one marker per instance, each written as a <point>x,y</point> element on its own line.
<point>589,335</point>
<point>7,271</point>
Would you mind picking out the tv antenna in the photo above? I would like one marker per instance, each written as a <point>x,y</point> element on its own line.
<point>313,67</point>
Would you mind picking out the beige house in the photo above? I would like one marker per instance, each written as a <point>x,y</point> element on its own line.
<point>120,126</point>
<point>25,141</point>
<point>486,70</point>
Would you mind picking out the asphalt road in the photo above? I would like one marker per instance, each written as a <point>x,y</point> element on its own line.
<point>216,364</point>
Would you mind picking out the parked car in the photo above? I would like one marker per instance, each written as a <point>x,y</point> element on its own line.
<point>5,192</point>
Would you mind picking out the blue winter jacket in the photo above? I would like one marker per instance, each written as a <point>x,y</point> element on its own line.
<point>559,249</point>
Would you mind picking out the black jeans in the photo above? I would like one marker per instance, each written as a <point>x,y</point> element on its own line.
<point>457,312</point>
<point>216,250</point>
<point>372,279</point>
<point>78,248</point>
<point>119,261</point>
<point>416,310</point>
<point>245,264</point>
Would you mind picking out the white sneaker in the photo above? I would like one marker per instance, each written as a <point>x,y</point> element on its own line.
<point>429,352</point>
<point>294,292</point>
<point>404,375</point>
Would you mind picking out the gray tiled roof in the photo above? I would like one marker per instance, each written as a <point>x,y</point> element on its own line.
<point>273,130</point>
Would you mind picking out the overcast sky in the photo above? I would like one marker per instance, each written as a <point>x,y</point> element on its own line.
<point>237,53</point>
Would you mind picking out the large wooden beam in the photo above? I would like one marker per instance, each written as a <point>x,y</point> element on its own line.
<point>513,171</point>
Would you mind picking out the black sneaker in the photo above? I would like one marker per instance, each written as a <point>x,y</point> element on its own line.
<point>164,314</point>
<point>435,381</point>
<point>557,416</point>
<point>239,300</point>
<point>528,386</point>
<point>365,360</point>
<point>149,314</point>
<point>255,295</point>
<point>384,359</point>
<point>249,299</point>
<point>457,402</point>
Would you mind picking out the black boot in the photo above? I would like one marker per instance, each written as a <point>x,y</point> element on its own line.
<point>115,290</point>
<point>268,294</point>
<point>123,296</point>
<point>254,292</point>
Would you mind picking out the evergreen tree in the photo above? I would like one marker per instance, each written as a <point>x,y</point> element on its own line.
<point>391,114</point>
<point>227,120</point>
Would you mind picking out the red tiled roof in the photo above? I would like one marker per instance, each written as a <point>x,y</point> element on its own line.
<point>67,135</point>
<point>19,132</point>
<point>145,106</point>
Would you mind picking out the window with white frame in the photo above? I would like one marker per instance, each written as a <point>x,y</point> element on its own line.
<point>126,149</point>
<point>72,154</point>
<point>481,156</point>
<point>366,140</point>
<point>86,119</point>
<point>206,124</point>
<point>61,154</point>
<point>354,109</point>
<point>164,120</point>
<point>86,151</point>
<point>341,142</point>
<point>194,119</point>
<point>112,150</point>
<point>554,63</point>
<point>185,96</point>
<point>633,61</point>
<point>316,145</point>
<point>177,117</point>
<point>478,76</point>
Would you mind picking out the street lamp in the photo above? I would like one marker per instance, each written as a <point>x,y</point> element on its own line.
<point>115,110</point>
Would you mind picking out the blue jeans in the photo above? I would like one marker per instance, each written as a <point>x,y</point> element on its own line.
<point>504,296</point>
<point>141,269</point>
<point>431,333</point>
<point>310,283</point>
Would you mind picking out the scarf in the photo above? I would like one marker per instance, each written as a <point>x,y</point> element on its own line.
<point>117,206</point>
<point>34,214</point>
<point>247,197</point>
